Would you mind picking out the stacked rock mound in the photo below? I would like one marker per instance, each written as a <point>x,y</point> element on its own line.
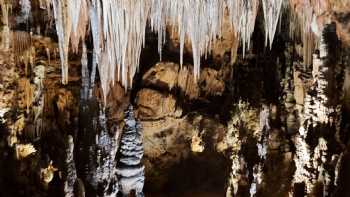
<point>130,169</point>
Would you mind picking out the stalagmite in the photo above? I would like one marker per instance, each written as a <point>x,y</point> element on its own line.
<point>302,159</point>
<point>107,147</point>
<point>235,175</point>
<point>100,169</point>
<point>47,174</point>
<point>337,169</point>
<point>288,123</point>
<point>313,165</point>
<point>130,168</point>
<point>39,102</point>
<point>234,142</point>
<point>85,79</point>
<point>257,179</point>
<point>93,74</point>
<point>71,176</point>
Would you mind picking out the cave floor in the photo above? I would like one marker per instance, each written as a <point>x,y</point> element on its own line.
<point>188,194</point>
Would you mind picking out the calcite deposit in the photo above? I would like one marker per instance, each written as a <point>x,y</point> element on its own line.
<point>175,98</point>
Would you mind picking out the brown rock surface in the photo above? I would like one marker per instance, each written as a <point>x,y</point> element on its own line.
<point>168,75</point>
<point>154,104</point>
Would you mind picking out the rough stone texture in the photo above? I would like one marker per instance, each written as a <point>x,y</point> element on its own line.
<point>187,135</point>
<point>168,75</point>
<point>167,142</point>
<point>152,103</point>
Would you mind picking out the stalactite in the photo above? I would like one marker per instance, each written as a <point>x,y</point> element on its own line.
<point>5,36</point>
<point>46,5</point>
<point>308,48</point>
<point>304,14</point>
<point>243,14</point>
<point>21,41</point>
<point>234,50</point>
<point>21,46</point>
<point>104,69</point>
<point>272,9</point>
<point>118,29</point>
<point>95,23</point>
<point>80,19</point>
<point>61,9</point>
<point>130,169</point>
<point>25,11</point>
<point>75,9</point>
<point>199,21</point>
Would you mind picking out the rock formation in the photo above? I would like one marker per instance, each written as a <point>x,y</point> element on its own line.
<point>174,98</point>
<point>130,169</point>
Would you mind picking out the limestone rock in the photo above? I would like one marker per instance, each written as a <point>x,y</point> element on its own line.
<point>155,104</point>
<point>162,74</point>
<point>24,150</point>
<point>130,168</point>
<point>168,75</point>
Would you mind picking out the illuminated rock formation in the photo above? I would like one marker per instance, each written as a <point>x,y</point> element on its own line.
<point>130,169</point>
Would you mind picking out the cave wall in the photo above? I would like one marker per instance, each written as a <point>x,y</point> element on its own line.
<point>267,125</point>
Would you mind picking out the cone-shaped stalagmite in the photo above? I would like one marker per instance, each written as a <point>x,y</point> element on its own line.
<point>130,169</point>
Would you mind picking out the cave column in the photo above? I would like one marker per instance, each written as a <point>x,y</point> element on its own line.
<point>319,119</point>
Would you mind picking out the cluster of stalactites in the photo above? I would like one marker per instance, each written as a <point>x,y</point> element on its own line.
<point>71,19</point>
<point>303,21</point>
<point>272,9</point>
<point>242,15</point>
<point>118,29</point>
